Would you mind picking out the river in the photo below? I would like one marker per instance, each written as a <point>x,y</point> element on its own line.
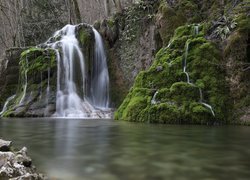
<point>76,149</point>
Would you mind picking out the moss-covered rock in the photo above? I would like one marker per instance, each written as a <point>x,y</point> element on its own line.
<point>37,74</point>
<point>179,101</point>
<point>36,82</point>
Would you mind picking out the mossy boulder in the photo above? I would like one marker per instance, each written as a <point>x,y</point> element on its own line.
<point>37,83</point>
<point>177,100</point>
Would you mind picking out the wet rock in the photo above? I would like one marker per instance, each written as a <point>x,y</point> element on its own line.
<point>17,166</point>
<point>22,158</point>
<point>5,145</point>
<point>159,68</point>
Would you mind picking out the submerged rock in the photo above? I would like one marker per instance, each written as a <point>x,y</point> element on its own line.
<point>17,165</point>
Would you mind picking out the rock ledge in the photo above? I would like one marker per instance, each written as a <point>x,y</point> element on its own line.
<point>16,165</point>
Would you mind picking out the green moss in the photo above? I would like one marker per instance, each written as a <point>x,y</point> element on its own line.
<point>177,100</point>
<point>182,91</point>
<point>111,22</point>
<point>84,36</point>
<point>37,60</point>
<point>133,105</point>
<point>34,64</point>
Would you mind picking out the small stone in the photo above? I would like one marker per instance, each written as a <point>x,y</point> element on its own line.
<point>5,145</point>
<point>159,68</point>
<point>24,160</point>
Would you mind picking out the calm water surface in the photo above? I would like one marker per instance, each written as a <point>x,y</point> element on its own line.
<point>74,149</point>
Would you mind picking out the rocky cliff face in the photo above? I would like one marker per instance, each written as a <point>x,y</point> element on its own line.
<point>9,73</point>
<point>191,73</point>
<point>132,40</point>
<point>151,42</point>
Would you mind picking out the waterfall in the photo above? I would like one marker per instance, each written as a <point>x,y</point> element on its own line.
<point>196,28</point>
<point>48,86</point>
<point>100,78</point>
<point>6,104</point>
<point>153,101</point>
<point>46,111</point>
<point>26,81</point>
<point>72,98</point>
<point>205,104</point>
<point>185,63</point>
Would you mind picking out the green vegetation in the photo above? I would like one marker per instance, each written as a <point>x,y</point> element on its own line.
<point>34,64</point>
<point>178,101</point>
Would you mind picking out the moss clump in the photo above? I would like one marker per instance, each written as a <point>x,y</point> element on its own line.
<point>177,100</point>
<point>84,36</point>
<point>36,60</point>
<point>135,102</point>
<point>37,65</point>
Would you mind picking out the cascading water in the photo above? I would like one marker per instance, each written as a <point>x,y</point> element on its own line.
<point>196,30</point>
<point>205,104</point>
<point>6,104</point>
<point>153,101</point>
<point>25,83</point>
<point>72,99</point>
<point>100,79</point>
<point>185,63</point>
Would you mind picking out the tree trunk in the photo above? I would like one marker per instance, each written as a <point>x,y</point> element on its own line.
<point>107,7</point>
<point>118,5</point>
<point>77,12</point>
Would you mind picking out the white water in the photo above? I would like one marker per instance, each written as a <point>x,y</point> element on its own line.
<point>48,85</point>
<point>26,82</point>
<point>72,99</point>
<point>196,28</point>
<point>205,104</point>
<point>209,107</point>
<point>6,104</point>
<point>99,78</point>
<point>185,63</point>
<point>153,101</point>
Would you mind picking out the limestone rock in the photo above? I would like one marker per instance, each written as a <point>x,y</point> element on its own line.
<point>17,165</point>
<point>5,145</point>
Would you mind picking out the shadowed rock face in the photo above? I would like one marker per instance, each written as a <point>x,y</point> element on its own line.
<point>16,165</point>
<point>5,145</point>
<point>9,73</point>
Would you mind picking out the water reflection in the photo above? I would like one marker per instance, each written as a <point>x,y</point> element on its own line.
<point>103,149</point>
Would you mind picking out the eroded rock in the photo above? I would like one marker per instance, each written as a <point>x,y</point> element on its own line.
<point>17,165</point>
<point>5,145</point>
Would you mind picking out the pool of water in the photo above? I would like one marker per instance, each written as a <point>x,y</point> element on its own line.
<point>75,149</point>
